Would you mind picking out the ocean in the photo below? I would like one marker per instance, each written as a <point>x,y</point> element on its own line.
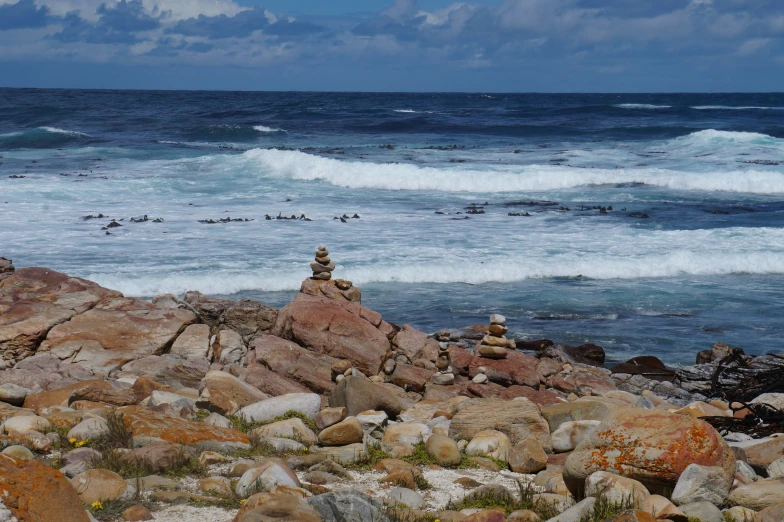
<point>649,224</point>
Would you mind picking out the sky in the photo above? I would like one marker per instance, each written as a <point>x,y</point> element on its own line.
<point>395,45</point>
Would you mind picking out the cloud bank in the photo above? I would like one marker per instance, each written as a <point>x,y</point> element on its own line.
<point>600,41</point>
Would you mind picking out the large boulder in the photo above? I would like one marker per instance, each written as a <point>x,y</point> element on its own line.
<point>223,393</point>
<point>758,495</point>
<point>288,359</point>
<point>358,394</point>
<point>99,485</point>
<point>116,331</point>
<point>516,369</point>
<point>34,492</point>
<point>518,419</point>
<point>702,483</point>
<point>340,329</point>
<point>267,381</point>
<point>148,426</point>
<point>193,343</point>
<point>59,396</point>
<point>247,318</point>
<point>651,446</point>
<point>33,301</point>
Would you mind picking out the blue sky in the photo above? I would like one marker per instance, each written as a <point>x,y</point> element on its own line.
<point>395,45</point>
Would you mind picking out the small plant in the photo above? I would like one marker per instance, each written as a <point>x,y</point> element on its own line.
<point>97,506</point>
<point>368,460</point>
<point>604,509</point>
<point>186,465</point>
<point>244,425</point>
<point>117,436</point>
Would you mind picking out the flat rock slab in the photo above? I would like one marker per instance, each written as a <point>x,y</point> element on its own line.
<point>148,426</point>
<point>518,419</point>
<point>34,300</point>
<point>115,332</point>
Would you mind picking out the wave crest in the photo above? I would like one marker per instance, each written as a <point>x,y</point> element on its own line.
<point>42,138</point>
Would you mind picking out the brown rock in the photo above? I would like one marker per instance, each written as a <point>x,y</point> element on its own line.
<point>772,514</point>
<point>487,515</point>
<point>579,410</point>
<point>104,395</point>
<point>248,318</point>
<point>168,371</point>
<point>516,369</point>
<point>334,328</point>
<point>268,381</point>
<point>414,343</point>
<point>225,394</point>
<point>344,432</point>
<point>410,377</point>
<point>492,352</point>
<point>151,426</point>
<point>98,485</point>
<point>338,289</point>
<point>538,397</point>
<point>34,300</point>
<point>329,416</point>
<point>34,492</point>
<point>518,419</point>
<point>193,342</point>
<point>268,507</point>
<point>527,457</point>
<point>137,513</point>
<point>60,396</point>
<point>443,449</point>
<point>144,386</point>
<point>582,379</point>
<point>358,394</point>
<point>632,515</point>
<point>312,370</point>
<point>651,446</point>
<point>157,456</point>
<point>115,332</point>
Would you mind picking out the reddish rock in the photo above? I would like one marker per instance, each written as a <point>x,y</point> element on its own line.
<point>248,318</point>
<point>330,290</point>
<point>460,358</point>
<point>34,300</point>
<point>518,368</point>
<point>168,370</point>
<point>410,377</point>
<point>144,386</point>
<point>34,492</point>
<point>486,391</point>
<point>60,396</point>
<point>633,515</point>
<point>583,378</point>
<point>540,398</point>
<point>111,396</point>
<point>651,446</point>
<point>414,343</point>
<point>150,426</point>
<point>290,360</point>
<point>115,332</point>
<point>266,380</point>
<point>547,367</point>
<point>137,513</point>
<point>334,328</point>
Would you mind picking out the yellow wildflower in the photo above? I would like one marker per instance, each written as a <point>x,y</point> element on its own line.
<point>80,443</point>
<point>97,506</point>
<point>242,501</point>
<point>72,440</point>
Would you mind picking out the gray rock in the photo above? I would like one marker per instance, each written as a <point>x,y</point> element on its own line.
<point>348,506</point>
<point>406,496</point>
<point>12,394</point>
<point>306,403</point>
<point>218,420</point>
<point>776,468</point>
<point>89,429</point>
<point>702,511</point>
<point>282,445</point>
<point>576,512</point>
<point>746,470</point>
<point>702,484</point>
<point>71,470</point>
<point>174,400</point>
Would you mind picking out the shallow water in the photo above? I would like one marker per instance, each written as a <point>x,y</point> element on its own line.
<point>705,265</point>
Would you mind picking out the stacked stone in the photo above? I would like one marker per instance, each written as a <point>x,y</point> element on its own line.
<point>494,345</point>
<point>323,266</point>
<point>445,375</point>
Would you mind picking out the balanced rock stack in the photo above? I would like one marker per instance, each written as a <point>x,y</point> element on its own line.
<point>323,266</point>
<point>494,345</point>
<point>445,375</point>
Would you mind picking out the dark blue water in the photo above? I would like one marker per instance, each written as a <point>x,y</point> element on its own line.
<point>688,251</point>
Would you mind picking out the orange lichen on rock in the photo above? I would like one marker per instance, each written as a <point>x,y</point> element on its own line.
<point>34,492</point>
<point>651,446</point>
<point>146,424</point>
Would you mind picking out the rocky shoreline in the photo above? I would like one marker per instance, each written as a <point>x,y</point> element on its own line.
<point>195,408</point>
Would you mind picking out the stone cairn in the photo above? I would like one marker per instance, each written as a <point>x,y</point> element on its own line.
<point>323,266</point>
<point>445,374</point>
<point>494,345</point>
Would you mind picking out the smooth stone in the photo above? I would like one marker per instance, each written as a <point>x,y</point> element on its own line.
<point>702,483</point>
<point>12,394</point>
<point>329,416</point>
<point>491,443</point>
<point>348,431</point>
<point>307,404</point>
<point>443,449</point>
<point>528,457</point>
<point>18,452</point>
<point>703,511</point>
<point>497,319</point>
<point>407,496</point>
<point>479,378</point>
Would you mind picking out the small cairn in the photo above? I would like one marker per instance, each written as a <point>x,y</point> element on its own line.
<point>494,345</point>
<point>445,374</point>
<point>323,266</point>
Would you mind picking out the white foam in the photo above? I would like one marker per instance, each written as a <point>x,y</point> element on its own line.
<point>262,128</point>
<point>726,107</point>
<point>409,111</point>
<point>641,106</point>
<point>713,135</point>
<point>400,176</point>
<point>67,132</point>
